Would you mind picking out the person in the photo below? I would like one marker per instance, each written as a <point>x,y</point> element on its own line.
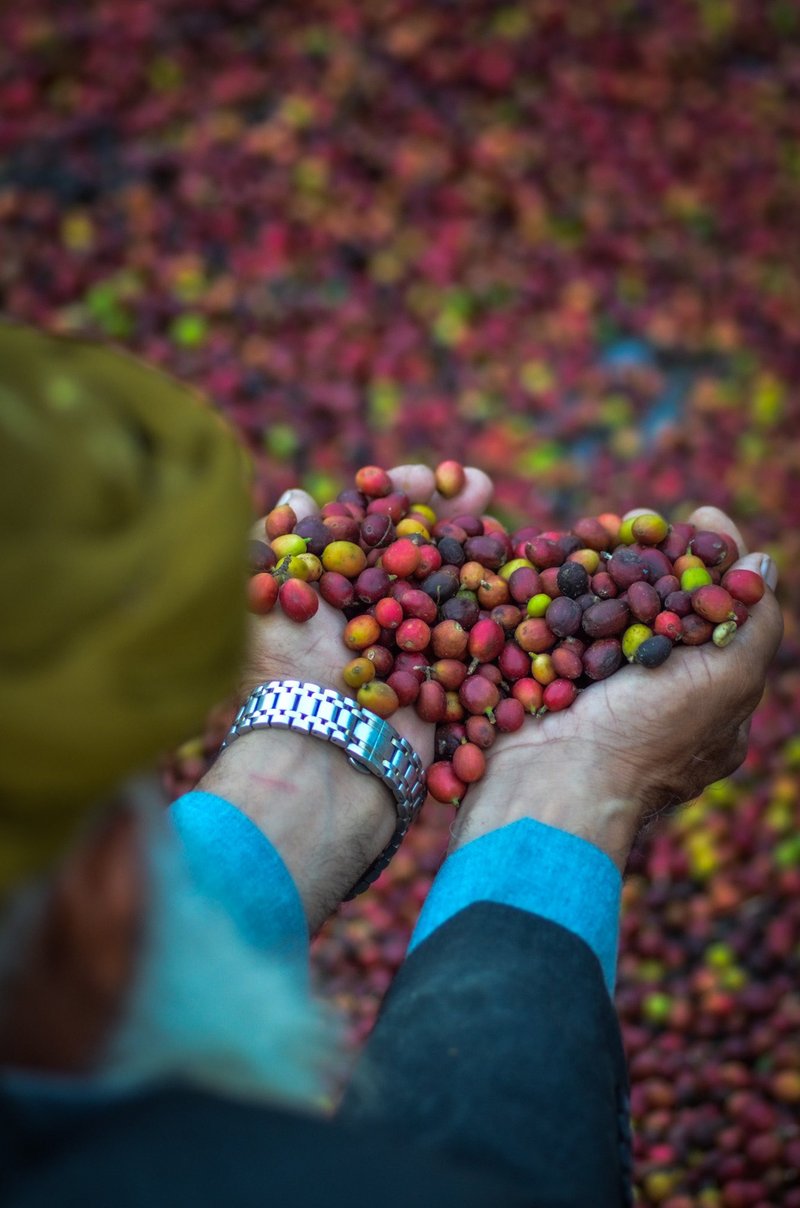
<point>158,1041</point>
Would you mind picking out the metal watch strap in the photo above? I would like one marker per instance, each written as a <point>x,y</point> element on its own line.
<point>371,744</point>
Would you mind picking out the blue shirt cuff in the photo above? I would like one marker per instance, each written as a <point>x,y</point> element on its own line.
<point>233,862</point>
<point>538,868</point>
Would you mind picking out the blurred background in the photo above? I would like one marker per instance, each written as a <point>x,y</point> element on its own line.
<point>558,241</point>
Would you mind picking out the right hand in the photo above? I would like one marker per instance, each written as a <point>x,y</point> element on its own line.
<point>637,743</point>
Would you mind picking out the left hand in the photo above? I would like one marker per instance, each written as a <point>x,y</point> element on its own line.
<point>281,649</point>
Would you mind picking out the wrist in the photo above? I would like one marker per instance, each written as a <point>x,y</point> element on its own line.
<point>327,820</point>
<point>567,796</point>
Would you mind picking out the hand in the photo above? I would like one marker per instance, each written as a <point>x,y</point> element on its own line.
<point>636,743</point>
<point>327,821</point>
<point>281,649</point>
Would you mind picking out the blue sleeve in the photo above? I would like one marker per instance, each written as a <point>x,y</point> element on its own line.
<point>236,865</point>
<point>538,868</point>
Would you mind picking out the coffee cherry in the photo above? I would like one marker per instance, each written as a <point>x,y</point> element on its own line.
<point>564,615</point>
<point>488,550</point>
<point>372,585</point>
<point>449,640</point>
<point>523,583</point>
<point>709,546</point>
<point>513,662</point>
<point>345,557</point>
<point>668,625</point>
<point>358,671</point>
<point>666,585</point>
<point>315,533</point>
<point>261,557</point>
<point>603,586</point>
<point>694,577</point>
<point>373,482</point>
<point>644,602</point>
<point>376,532</point>
<point>449,737</point>
<point>405,685</point>
<point>388,612</point>
<point>744,585</point>
<point>507,616</point>
<point>492,591</point>
<point>443,784</point>
<point>679,602</point>
<point>379,698</point>
<point>471,575</point>
<point>677,540</point>
<point>509,715</point>
<point>478,695</point>
<point>450,479</point>
<point>695,631</point>
<point>442,584</point>
<point>592,534</point>
<point>606,618</point>
<point>539,604</point>
<point>449,672</point>
<point>262,593</point>
<point>413,634</point>
<point>415,664</point>
<point>306,567</point>
<point>336,590</point>
<point>542,669</point>
<point>567,663</point>
<point>361,632</point>
<point>416,603</point>
<point>279,521</point>
<point>654,651</point>
<point>549,581</point>
<point>431,702</point>
<point>451,551</point>
<point>529,694</point>
<point>649,529</point>
<point>558,695</point>
<point>625,567</point>
<point>298,600</point>
<point>288,544</point>
<point>486,640</point>
<point>632,639</point>
<point>544,553</point>
<point>602,659</point>
<point>429,560</point>
<point>413,528</point>
<point>342,528</point>
<point>454,710</point>
<point>589,559</point>
<point>534,635</point>
<point>572,580</point>
<point>469,763</point>
<point>480,731</point>
<point>724,633</point>
<point>394,505</point>
<point>713,603</point>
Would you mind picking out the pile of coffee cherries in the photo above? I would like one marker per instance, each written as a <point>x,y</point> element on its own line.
<point>477,628</point>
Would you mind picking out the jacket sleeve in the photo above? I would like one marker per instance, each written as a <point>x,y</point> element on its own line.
<point>498,1041</point>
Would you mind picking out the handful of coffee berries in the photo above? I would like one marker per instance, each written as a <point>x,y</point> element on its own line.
<point>477,628</point>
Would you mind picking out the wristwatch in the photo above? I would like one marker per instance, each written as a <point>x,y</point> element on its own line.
<point>371,744</point>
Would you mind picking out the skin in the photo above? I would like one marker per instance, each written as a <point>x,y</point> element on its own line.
<point>621,754</point>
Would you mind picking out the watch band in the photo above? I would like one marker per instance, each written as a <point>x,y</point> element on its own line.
<point>371,744</point>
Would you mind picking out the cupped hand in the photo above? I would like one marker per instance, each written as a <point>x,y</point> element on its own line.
<point>282,649</point>
<point>644,739</point>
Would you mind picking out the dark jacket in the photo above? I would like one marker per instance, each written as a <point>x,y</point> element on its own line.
<point>494,1076</point>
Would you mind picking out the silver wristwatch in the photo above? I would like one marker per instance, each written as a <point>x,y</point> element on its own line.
<point>372,745</point>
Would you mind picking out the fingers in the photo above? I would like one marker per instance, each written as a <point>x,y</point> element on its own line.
<point>419,484</point>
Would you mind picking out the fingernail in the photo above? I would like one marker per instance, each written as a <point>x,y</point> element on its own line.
<point>769,572</point>
<point>285,497</point>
